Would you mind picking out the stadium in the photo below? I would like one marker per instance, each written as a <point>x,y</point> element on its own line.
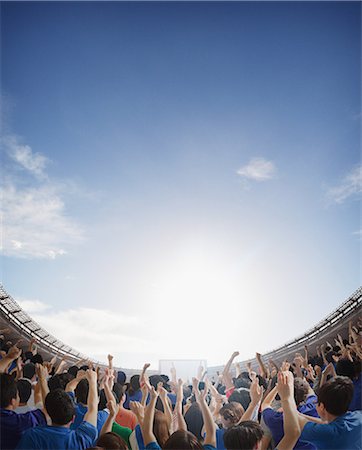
<point>180,233</point>
<point>22,326</point>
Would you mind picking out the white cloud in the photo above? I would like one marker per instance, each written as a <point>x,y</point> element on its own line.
<point>32,306</point>
<point>23,155</point>
<point>350,186</point>
<point>95,332</point>
<point>258,169</point>
<point>35,223</point>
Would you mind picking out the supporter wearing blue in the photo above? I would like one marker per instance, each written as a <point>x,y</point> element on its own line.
<point>305,400</point>
<point>79,388</point>
<point>61,410</point>
<point>12,424</point>
<point>343,429</point>
<point>133,393</point>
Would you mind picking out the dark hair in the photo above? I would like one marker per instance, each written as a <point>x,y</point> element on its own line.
<point>57,382</point>
<point>300,390</point>
<point>73,370</point>
<point>134,384</point>
<point>102,404</point>
<point>232,412</point>
<point>24,389</point>
<point>8,389</point>
<point>118,392</point>
<point>241,396</point>
<point>345,368</point>
<point>194,420</point>
<point>244,436</point>
<point>81,391</point>
<point>111,441</point>
<point>242,383</point>
<point>37,359</point>
<point>29,370</point>
<point>60,407</point>
<point>182,440</point>
<point>121,377</point>
<point>336,395</point>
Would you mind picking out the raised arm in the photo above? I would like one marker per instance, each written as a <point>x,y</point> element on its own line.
<point>147,425</point>
<point>256,394</point>
<point>268,400</point>
<point>165,402</point>
<point>143,377</point>
<point>209,424</point>
<point>181,424</point>
<point>226,372</point>
<point>92,403</point>
<point>263,369</point>
<point>113,411</point>
<point>13,354</point>
<point>290,413</point>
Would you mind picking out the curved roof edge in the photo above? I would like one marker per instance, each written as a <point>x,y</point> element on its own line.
<point>13,314</point>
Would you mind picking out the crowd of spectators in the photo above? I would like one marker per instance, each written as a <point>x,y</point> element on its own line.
<point>312,401</point>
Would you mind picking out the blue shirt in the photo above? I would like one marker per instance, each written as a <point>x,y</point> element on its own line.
<point>155,446</point>
<point>81,411</point>
<point>274,421</point>
<point>59,438</point>
<point>136,397</point>
<point>12,425</point>
<point>356,403</point>
<point>341,434</point>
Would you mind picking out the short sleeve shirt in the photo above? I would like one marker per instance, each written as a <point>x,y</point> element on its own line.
<point>12,425</point>
<point>341,434</point>
<point>57,438</point>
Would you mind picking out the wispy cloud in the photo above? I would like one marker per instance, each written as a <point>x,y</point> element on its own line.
<point>258,169</point>
<point>350,186</point>
<point>22,154</point>
<point>35,223</point>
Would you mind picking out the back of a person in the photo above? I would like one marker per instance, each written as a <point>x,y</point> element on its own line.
<point>274,421</point>
<point>81,411</point>
<point>344,433</point>
<point>58,438</point>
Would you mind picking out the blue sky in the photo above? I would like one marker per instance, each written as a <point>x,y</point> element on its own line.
<point>180,164</point>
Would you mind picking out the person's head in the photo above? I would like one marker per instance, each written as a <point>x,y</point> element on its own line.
<point>242,383</point>
<point>119,393</point>
<point>245,436</point>
<point>134,384</point>
<point>56,382</point>
<point>121,377</point>
<point>24,389</point>
<point>182,440</point>
<point>301,388</point>
<point>231,414</point>
<point>241,396</point>
<point>37,359</point>
<point>60,407</point>
<point>9,396</point>
<point>111,441</point>
<point>161,428</point>
<point>29,371</point>
<point>334,397</point>
<point>345,368</point>
<point>73,370</point>
<point>194,420</point>
<point>81,391</point>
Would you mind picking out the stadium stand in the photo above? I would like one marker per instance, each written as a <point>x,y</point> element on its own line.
<point>11,314</point>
